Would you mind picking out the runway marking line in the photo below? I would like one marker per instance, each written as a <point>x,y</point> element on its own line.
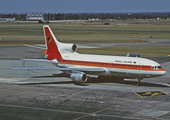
<point>141,94</point>
<point>151,93</point>
<point>44,109</point>
<point>92,114</point>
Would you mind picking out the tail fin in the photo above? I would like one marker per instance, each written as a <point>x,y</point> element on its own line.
<point>51,44</point>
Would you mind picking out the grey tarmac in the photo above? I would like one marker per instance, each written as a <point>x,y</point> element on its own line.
<point>42,95</point>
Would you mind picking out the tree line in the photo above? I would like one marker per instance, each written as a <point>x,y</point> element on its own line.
<point>21,17</point>
<point>119,16</point>
<point>100,16</point>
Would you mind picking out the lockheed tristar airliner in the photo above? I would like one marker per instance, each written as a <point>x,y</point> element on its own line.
<point>79,66</point>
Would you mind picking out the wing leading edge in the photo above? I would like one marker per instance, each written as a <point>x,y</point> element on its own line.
<point>71,70</point>
<point>85,70</point>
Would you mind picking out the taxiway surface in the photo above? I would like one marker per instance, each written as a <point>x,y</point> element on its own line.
<point>41,95</point>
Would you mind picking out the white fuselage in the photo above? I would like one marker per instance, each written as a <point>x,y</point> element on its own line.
<point>78,65</point>
<point>127,67</point>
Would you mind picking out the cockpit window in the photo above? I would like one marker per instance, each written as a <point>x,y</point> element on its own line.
<point>159,67</point>
<point>156,67</point>
<point>153,67</point>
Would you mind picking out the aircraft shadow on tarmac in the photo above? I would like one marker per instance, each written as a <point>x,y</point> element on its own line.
<point>112,80</point>
<point>92,80</point>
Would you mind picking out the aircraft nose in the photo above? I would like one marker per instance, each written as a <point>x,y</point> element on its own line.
<point>163,72</point>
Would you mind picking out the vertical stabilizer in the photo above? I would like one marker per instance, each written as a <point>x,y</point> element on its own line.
<point>51,44</point>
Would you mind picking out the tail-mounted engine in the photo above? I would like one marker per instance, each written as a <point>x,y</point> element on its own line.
<point>63,47</point>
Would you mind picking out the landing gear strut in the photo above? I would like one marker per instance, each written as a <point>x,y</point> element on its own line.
<point>139,79</point>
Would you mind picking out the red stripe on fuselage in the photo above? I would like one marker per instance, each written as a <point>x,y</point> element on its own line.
<point>109,65</point>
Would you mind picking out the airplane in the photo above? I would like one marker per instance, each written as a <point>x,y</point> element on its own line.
<point>9,19</point>
<point>80,66</point>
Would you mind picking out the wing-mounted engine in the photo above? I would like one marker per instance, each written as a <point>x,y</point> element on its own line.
<point>79,77</point>
<point>64,47</point>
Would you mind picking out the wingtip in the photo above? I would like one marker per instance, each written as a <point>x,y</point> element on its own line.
<point>8,67</point>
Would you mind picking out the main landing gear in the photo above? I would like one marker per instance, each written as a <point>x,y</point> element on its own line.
<point>139,79</point>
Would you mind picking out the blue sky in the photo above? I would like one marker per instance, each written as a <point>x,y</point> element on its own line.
<point>68,6</point>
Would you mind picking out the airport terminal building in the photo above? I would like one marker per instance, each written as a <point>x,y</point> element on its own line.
<point>45,16</point>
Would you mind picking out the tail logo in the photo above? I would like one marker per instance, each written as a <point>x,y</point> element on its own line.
<point>49,38</point>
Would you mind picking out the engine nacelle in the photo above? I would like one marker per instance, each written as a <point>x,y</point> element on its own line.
<point>64,47</point>
<point>79,77</point>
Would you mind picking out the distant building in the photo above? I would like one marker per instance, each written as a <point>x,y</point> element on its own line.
<point>45,16</point>
<point>7,19</point>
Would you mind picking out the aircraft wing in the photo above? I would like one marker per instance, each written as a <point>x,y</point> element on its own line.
<point>69,70</point>
<point>34,46</point>
<point>31,68</point>
<point>62,69</point>
<point>85,70</point>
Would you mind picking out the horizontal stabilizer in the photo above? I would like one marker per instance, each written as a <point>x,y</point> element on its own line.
<point>34,46</point>
<point>41,60</point>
